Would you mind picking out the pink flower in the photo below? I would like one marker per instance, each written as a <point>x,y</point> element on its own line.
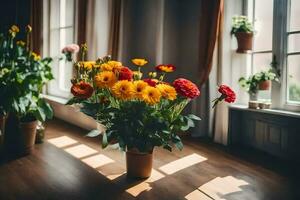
<point>71,48</point>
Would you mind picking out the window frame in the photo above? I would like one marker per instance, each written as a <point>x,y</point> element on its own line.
<point>55,87</point>
<point>281,13</point>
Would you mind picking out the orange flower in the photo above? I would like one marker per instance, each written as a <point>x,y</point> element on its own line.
<point>82,90</point>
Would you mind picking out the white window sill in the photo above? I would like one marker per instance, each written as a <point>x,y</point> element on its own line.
<point>269,111</point>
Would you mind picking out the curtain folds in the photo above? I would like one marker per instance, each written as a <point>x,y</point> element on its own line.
<point>115,24</point>
<point>81,21</point>
<point>210,23</point>
<point>36,21</point>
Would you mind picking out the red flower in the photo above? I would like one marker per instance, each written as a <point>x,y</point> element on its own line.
<point>165,68</point>
<point>186,88</point>
<point>125,74</point>
<point>227,93</point>
<point>82,90</point>
<point>150,82</point>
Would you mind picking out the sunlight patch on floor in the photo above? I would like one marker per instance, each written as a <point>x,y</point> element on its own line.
<point>97,160</point>
<point>182,163</point>
<point>144,186</point>
<point>62,141</point>
<point>217,188</point>
<point>197,195</point>
<point>80,151</point>
<point>111,176</point>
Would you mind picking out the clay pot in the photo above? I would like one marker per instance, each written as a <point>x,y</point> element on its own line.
<point>253,104</point>
<point>245,41</point>
<point>139,165</point>
<point>28,133</point>
<point>264,85</point>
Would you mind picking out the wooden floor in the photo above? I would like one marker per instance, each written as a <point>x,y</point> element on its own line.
<point>71,166</point>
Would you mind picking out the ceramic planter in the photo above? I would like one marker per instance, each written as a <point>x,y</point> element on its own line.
<point>264,85</point>
<point>28,133</point>
<point>244,41</point>
<point>139,165</point>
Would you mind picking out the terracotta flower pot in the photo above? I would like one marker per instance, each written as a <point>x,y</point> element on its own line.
<point>28,132</point>
<point>139,165</point>
<point>244,42</point>
<point>264,85</point>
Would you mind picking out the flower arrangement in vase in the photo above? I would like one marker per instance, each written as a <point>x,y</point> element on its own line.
<point>138,113</point>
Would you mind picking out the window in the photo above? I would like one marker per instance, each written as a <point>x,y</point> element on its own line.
<point>293,52</point>
<point>59,20</point>
<point>261,13</point>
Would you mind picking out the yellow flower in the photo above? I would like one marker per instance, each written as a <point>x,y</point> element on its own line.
<point>14,29</point>
<point>139,61</point>
<point>114,64</point>
<point>139,86</point>
<point>151,95</point>
<point>87,65</point>
<point>106,67</point>
<point>36,57</point>
<point>167,91</point>
<point>123,90</point>
<point>28,28</point>
<point>105,79</point>
<point>21,43</point>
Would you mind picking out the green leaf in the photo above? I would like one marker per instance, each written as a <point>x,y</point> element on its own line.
<point>74,100</point>
<point>179,145</point>
<point>104,140</point>
<point>194,117</point>
<point>168,147</point>
<point>93,133</point>
<point>47,109</point>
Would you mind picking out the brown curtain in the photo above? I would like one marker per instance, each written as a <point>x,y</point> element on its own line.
<point>210,27</point>
<point>81,21</point>
<point>36,21</point>
<point>115,29</point>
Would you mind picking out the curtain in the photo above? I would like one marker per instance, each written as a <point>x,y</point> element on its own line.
<point>211,14</point>
<point>36,21</point>
<point>81,21</point>
<point>115,29</point>
<point>228,67</point>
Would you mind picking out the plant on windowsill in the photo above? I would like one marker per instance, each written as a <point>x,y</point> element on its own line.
<point>242,28</point>
<point>259,81</point>
<point>139,114</point>
<point>26,74</point>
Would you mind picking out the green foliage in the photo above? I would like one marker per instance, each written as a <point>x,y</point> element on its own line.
<point>134,124</point>
<point>241,24</point>
<point>22,76</point>
<point>294,92</point>
<point>251,83</point>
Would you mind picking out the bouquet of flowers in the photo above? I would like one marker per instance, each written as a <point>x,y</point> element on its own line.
<point>138,113</point>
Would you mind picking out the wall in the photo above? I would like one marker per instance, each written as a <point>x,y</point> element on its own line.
<point>14,12</point>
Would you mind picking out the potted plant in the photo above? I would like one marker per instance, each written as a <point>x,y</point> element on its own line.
<point>265,79</point>
<point>242,28</point>
<point>27,75</point>
<point>139,114</point>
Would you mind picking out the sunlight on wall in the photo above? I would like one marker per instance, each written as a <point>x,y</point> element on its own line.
<point>80,151</point>
<point>182,163</point>
<point>217,188</point>
<point>97,161</point>
<point>62,141</point>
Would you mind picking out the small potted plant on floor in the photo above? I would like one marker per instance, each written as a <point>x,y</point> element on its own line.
<point>242,28</point>
<point>139,114</point>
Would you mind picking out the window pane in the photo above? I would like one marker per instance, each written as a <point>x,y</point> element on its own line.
<point>294,43</point>
<point>261,61</point>
<point>294,78</point>
<point>54,14</point>
<point>263,25</point>
<point>66,13</point>
<point>294,16</point>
